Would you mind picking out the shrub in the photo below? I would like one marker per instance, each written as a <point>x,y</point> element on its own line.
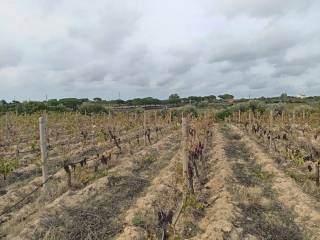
<point>222,114</point>
<point>7,166</point>
<point>203,104</point>
<point>257,106</point>
<point>188,110</point>
<point>91,108</point>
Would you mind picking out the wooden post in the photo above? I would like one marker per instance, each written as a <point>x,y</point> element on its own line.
<point>239,116</point>
<point>185,161</point>
<point>144,128</point>
<point>17,152</point>
<point>270,142</point>
<point>155,118</point>
<point>271,119</point>
<point>44,154</point>
<point>293,116</point>
<point>170,116</point>
<point>7,127</point>
<point>188,186</point>
<point>185,152</point>
<point>318,173</point>
<point>282,117</point>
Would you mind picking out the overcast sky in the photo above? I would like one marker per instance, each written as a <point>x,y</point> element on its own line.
<point>97,48</point>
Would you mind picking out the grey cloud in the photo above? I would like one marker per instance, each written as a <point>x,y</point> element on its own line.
<point>270,42</point>
<point>92,48</point>
<point>259,8</point>
<point>284,71</point>
<point>180,68</point>
<point>256,83</point>
<point>10,57</point>
<point>165,82</point>
<point>110,30</point>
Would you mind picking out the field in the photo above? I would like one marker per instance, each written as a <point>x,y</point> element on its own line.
<point>163,174</point>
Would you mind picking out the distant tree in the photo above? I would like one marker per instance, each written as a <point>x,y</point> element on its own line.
<point>91,108</point>
<point>195,98</point>
<point>72,103</point>
<point>211,98</point>
<point>97,99</point>
<point>84,99</point>
<point>226,96</point>
<point>52,102</point>
<point>31,107</point>
<point>3,106</point>
<point>144,101</point>
<point>119,101</point>
<point>203,104</point>
<point>61,108</point>
<point>174,96</point>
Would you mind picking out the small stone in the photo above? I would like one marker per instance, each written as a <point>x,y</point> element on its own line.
<point>236,234</point>
<point>250,237</point>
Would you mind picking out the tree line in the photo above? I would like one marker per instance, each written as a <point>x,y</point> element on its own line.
<point>96,104</point>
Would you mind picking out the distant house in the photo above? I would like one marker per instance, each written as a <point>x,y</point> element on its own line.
<point>301,96</point>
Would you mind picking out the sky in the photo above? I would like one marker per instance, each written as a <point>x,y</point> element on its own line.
<point>140,48</point>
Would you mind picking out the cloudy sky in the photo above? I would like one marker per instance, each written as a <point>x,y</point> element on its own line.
<point>97,48</point>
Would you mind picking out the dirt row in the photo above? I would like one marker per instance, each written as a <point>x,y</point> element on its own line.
<point>163,196</point>
<point>116,185</point>
<point>250,198</point>
<point>29,177</point>
<point>304,208</point>
<point>240,194</point>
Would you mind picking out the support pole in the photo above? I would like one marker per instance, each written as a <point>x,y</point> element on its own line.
<point>7,127</point>
<point>185,159</point>
<point>318,173</point>
<point>271,119</point>
<point>44,154</point>
<point>144,128</point>
<point>293,117</point>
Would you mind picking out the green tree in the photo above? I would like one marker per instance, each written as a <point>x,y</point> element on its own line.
<point>226,96</point>
<point>92,108</point>
<point>97,99</point>
<point>174,96</point>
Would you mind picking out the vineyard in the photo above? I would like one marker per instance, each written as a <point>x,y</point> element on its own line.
<point>160,174</point>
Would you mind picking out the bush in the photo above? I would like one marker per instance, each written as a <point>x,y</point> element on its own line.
<point>138,220</point>
<point>203,104</point>
<point>222,114</point>
<point>278,109</point>
<point>91,108</point>
<point>139,110</point>
<point>7,166</point>
<point>59,108</point>
<point>188,111</point>
<point>257,106</point>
